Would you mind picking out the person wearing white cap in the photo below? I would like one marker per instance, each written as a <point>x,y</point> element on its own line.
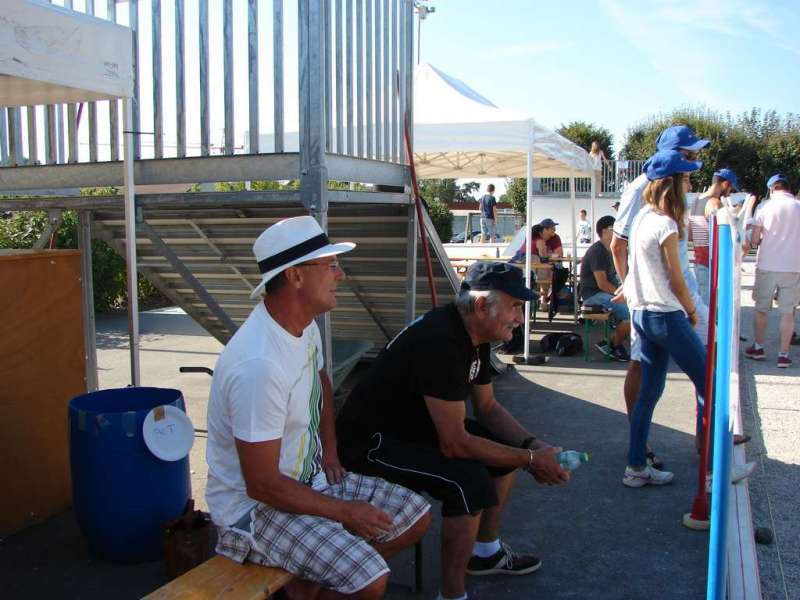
<point>775,232</point>
<point>276,489</point>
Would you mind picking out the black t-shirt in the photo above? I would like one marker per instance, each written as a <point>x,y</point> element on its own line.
<point>433,356</point>
<point>597,258</point>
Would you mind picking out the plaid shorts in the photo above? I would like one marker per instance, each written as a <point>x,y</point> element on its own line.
<point>318,549</point>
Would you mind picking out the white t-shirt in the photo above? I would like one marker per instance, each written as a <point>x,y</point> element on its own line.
<point>780,238</point>
<point>266,386</point>
<point>647,285</point>
<point>630,204</point>
<point>584,230</point>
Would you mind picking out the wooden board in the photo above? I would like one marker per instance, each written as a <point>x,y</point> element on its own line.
<point>41,369</point>
<point>221,578</point>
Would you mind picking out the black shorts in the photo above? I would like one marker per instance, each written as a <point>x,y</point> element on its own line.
<point>462,486</point>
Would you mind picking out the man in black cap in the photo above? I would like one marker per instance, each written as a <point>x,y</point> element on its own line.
<point>405,422</point>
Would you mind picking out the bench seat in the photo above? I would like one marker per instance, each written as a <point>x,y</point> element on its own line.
<point>221,578</point>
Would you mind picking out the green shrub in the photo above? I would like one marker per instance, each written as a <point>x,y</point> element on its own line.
<point>442,219</point>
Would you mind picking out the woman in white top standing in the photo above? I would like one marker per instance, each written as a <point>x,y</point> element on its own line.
<point>598,158</point>
<point>663,311</point>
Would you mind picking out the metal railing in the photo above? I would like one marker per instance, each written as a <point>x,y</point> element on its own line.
<point>611,181</point>
<point>220,77</point>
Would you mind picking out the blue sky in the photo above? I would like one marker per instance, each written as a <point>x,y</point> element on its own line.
<point>616,62</point>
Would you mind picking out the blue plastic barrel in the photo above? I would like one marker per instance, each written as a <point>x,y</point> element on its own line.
<point>121,492</point>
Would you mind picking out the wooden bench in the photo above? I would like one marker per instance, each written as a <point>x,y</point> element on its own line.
<point>220,578</point>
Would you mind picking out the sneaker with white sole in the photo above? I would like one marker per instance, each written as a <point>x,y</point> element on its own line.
<point>647,476</point>
<point>755,353</point>
<point>503,562</point>
<point>784,362</point>
<point>605,349</point>
<point>738,473</point>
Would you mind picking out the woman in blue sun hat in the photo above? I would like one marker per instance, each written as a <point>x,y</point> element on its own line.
<point>663,311</point>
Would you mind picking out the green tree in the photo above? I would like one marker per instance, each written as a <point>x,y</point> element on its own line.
<point>755,144</point>
<point>443,190</point>
<point>464,193</point>
<point>583,134</point>
<point>442,219</point>
<point>516,194</point>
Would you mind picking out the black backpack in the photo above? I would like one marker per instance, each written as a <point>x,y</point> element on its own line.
<point>563,344</point>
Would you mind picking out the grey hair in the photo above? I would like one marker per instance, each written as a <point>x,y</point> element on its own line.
<point>465,301</point>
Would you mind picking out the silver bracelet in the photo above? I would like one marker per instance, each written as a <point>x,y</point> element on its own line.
<point>530,459</point>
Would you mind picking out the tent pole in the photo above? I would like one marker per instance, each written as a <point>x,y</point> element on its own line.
<point>574,248</point>
<point>528,218</point>
<point>130,240</point>
<point>593,188</point>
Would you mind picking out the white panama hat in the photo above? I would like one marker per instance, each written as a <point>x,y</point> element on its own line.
<point>290,242</point>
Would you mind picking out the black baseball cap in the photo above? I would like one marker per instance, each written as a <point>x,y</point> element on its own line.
<point>492,275</point>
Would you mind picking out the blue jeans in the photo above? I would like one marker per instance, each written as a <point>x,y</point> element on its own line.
<point>663,335</point>
<point>619,310</point>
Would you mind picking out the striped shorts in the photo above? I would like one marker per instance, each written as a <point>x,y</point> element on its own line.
<point>319,549</point>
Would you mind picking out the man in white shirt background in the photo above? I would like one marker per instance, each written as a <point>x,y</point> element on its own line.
<point>776,232</point>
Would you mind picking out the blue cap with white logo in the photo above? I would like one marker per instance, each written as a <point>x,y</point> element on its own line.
<point>728,176</point>
<point>680,137</point>
<point>775,179</point>
<point>668,163</point>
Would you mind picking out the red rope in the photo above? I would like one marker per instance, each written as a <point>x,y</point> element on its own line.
<point>418,202</point>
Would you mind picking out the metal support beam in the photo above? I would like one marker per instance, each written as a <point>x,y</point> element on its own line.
<point>184,272</point>
<point>221,254</point>
<point>100,232</point>
<point>277,75</point>
<point>87,298</point>
<point>411,265</point>
<point>313,170</point>
<point>356,289</point>
<point>129,148</point>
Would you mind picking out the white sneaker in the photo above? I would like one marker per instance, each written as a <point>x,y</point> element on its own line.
<point>738,472</point>
<point>648,475</point>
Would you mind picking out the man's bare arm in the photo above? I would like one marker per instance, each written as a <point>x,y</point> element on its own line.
<point>619,252</point>
<point>265,483</point>
<point>456,442</point>
<point>327,432</point>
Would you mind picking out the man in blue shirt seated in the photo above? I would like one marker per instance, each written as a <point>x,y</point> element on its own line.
<point>599,283</point>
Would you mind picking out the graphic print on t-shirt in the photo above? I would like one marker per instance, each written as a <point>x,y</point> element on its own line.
<point>309,450</point>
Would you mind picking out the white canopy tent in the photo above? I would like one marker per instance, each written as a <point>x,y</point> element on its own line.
<point>458,133</point>
<point>50,55</point>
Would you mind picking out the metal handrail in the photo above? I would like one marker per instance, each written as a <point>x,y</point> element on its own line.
<point>613,178</point>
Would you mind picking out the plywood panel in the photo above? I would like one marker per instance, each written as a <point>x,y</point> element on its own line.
<point>41,368</point>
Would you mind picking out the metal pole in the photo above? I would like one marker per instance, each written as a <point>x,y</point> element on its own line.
<point>528,242</point>
<point>130,240</point>
<point>87,290</point>
<point>574,247</point>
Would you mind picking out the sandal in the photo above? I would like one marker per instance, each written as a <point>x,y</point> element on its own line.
<point>742,439</point>
<point>653,461</point>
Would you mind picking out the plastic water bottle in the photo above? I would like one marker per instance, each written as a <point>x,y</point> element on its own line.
<point>572,459</point>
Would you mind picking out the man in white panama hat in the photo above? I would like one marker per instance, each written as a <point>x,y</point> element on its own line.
<point>276,489</point>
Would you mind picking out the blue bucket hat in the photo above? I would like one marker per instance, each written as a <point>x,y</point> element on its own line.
<point>680,137</point>
<point>728,176</point>
<point>775,179</point>
<point>668,163</point>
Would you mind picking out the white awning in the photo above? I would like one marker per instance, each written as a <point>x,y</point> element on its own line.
<point>458,133</point>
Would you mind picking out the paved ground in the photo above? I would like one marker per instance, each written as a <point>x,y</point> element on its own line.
<point>597,538</point>
<point>771,413</point>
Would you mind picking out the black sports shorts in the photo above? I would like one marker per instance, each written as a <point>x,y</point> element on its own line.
<point>462,486</point>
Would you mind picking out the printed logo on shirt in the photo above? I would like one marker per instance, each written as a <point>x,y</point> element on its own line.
<point>474,368</point>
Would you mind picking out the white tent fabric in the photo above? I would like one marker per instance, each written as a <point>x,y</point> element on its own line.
<point>50,54</point>
<point>458,134</point>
